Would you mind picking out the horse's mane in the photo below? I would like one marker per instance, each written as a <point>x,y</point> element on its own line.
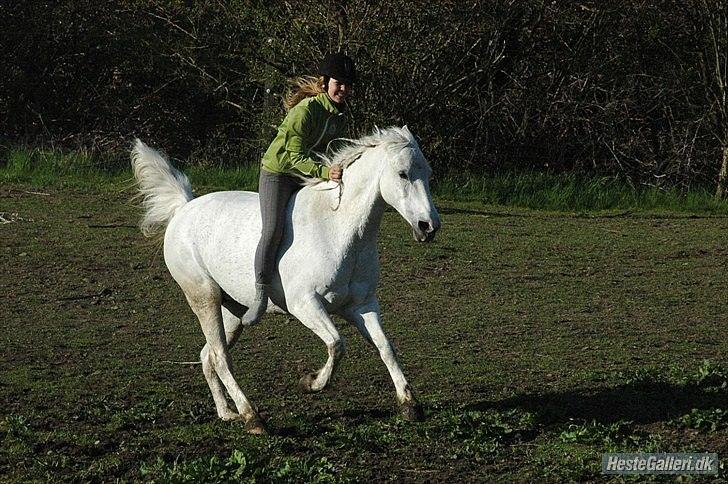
<point>393,138</point>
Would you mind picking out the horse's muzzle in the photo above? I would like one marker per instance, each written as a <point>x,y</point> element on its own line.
<point>425,231</point>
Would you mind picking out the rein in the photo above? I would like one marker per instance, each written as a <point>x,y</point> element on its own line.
<point>346,164</point>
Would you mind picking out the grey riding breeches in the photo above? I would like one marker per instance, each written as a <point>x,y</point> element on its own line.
<point>274,191</point>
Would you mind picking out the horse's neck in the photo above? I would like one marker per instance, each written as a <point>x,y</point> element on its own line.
<point>358,213</point>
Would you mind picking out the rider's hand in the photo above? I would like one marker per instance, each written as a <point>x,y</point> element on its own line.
<point>335,172</point>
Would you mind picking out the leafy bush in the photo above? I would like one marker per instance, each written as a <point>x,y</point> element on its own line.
<point>487,86</point>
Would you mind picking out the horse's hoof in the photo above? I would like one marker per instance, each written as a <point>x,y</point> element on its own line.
<point>306,381</point>
<point>412,411</point>
<point>228,415</point>
<point>255,426</point>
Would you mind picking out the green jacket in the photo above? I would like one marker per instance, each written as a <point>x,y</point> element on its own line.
<point>307,128</point>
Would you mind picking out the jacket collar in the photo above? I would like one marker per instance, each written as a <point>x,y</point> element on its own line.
<point>328,104</point>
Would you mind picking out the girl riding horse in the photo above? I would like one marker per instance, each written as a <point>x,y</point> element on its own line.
<point>316,116</point>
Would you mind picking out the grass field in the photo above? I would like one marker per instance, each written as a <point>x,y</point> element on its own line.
<point>536,341</point>
<point>538,190</point>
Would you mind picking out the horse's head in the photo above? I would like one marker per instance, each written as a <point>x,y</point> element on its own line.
<point>405,185</point>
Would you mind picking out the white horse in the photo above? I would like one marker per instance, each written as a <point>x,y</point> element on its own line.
<point>327,262</point>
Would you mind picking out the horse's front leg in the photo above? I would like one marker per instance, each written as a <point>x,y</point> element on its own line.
<point>312,314</point>
<point>367,319</point>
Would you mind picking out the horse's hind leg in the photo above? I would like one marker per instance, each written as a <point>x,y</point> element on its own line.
<point>313,315</point>
<point>205,302</point>
<point>233,328</point>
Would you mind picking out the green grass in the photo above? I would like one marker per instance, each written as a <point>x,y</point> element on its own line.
<point>545,191</point>
<point>241,466</point>
<point>535,340</point>
<point>50,167</point>
<point>573,192</point>
<point>78,169</point>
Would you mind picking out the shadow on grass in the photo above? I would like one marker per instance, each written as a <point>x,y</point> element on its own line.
<point>642,403</point>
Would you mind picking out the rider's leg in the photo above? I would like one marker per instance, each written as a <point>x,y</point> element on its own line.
<point>274,192</point>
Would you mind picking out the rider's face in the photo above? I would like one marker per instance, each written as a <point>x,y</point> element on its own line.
<point>338,91</point>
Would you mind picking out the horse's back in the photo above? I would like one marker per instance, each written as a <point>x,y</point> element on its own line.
<point>239,199</point>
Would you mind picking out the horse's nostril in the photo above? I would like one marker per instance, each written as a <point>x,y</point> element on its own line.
<point>424,226</point>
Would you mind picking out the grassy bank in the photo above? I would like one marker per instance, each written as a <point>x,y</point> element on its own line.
<point>544,191</point>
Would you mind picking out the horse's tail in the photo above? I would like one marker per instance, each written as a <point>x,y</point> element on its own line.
<point>162,188</point>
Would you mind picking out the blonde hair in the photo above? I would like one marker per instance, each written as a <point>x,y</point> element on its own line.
<point>303,87</point>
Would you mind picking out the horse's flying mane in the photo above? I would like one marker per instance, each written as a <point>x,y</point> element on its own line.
<point>394,137</point>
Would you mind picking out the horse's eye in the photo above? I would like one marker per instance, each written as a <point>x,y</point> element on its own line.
<point>403,175</point>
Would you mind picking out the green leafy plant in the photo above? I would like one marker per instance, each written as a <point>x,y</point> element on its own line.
<point>485,432</point>
<point>707,420</point>
<point>711,375</point>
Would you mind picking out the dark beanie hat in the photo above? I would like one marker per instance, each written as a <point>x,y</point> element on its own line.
<point>339,66</point>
